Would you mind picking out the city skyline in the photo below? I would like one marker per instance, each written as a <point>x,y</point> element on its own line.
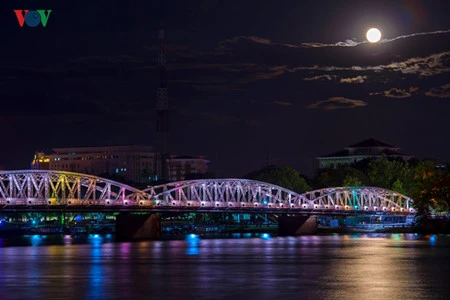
<point>279,83</point>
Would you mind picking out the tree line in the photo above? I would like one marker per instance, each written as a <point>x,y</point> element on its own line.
<point>426,181</point>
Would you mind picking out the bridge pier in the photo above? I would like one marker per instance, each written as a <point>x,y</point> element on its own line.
<point>289,225</point>
<point>138,227</point>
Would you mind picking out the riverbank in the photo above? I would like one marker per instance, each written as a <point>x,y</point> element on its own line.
<point>431,226</point>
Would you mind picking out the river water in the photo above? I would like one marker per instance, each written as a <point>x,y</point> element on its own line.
<point>354,266</point>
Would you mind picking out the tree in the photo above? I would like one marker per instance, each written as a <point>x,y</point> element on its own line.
<point>350,180</point>
<point>283,176</point>
<point>431,192</point>
<point>397,186</point>
<point>345,176</point>
<point>391,174</point>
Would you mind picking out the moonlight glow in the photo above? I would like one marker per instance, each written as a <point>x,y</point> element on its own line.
<point>373,35</point>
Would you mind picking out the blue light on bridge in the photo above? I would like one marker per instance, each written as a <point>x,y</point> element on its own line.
<point>265,236</point>
<point>433,240</point>
<point>35,240</point>
<point>95,240</point>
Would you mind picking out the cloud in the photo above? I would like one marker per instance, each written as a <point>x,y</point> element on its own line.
<point>433,64</point>
<point>223,45</point>
<point>346,43</point>
<point>357,79</point>
<point>413,89</point>
<point>241,61</point>
<point>320,77</point>
<point>352,43</point>
<point>337,103</point>
<point>441,92</point>
<point>225,79</point>
<point>428,59</point>
<point>397,93</point>
<point>415,34</point>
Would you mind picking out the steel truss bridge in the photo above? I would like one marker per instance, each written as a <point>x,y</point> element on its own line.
<point>42,190</point>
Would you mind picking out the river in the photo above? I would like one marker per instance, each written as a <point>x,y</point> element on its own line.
<point>353,266</point>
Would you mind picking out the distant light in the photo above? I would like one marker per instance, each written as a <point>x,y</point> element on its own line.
<point>265,236</point>
<point>433,239</point>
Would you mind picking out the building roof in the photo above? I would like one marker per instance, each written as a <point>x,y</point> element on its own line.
<point>372,142</point>
<point>104,149</point>
<point>390,150</point>
<point>337,154</point>
<point>188,157</point>
<point>392,153</point>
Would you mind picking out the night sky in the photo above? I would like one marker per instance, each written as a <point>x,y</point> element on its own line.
<point>250,82</point>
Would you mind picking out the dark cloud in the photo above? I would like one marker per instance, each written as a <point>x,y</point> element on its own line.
<point>320,77</point>
<point>252,58</point>
<point>357,79</point>
<point>413,89</point>
<point>241,61</point>
<point>337,103</point>
<point>441,92</point>
<point>397,93</point>
<point>352,43</point>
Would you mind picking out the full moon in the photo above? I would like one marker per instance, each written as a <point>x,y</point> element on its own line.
<point>373,35</point>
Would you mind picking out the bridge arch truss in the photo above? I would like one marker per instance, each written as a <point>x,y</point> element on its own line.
<point>60,188</point>
<point>233,193</point>
<point>39,187</point>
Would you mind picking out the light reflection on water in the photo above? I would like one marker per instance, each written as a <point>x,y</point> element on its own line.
<point>356,266</point>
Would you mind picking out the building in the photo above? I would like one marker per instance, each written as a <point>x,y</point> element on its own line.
<point>180,166</point>
<point>136,164</point>
<point>367,149</point>
<point>40,162</point>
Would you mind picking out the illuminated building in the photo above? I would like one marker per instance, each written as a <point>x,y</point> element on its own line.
<point>180,166</point>
<point>367,149</point>
<point>136,164</point>
<point>40,162</point>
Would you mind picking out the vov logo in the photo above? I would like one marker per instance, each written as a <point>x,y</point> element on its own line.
<point>32,17</point>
